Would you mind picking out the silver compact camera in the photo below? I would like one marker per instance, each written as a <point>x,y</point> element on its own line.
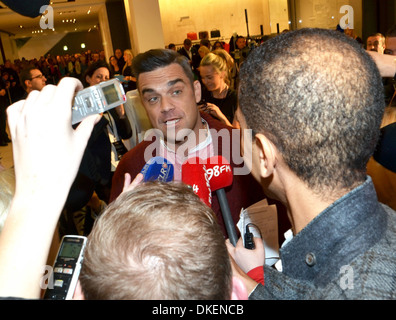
<point>97,99</point>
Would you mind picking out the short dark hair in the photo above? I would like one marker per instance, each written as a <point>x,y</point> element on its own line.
<point>25,74</point>
<point>92,68</point>
<point>95,66</point>
<point>391,33</point>
<point>318,96</point>
<point>205,42</point>
<point>159,58</point>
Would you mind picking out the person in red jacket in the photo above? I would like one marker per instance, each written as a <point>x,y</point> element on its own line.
<point>170,94</point>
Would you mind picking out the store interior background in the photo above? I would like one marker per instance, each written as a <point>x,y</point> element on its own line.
<point>142,25</point>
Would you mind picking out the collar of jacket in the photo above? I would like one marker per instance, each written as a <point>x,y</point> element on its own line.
<point>341,232</point>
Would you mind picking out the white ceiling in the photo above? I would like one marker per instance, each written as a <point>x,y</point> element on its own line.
<point>85,13</point>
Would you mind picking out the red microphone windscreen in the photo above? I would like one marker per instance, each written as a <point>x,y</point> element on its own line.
<point>194,174</point>
<point>219,172</point>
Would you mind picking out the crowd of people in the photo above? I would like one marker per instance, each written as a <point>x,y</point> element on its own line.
<point>313,128</point>
<point>54,68</point>
<point>20,77</point>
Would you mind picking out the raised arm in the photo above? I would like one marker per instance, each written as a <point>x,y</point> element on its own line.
<point>47,153</point>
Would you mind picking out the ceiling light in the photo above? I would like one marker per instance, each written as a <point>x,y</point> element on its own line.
<point>65,48</point>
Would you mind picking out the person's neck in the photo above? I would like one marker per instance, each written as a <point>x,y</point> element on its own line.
<point>302,203</point>
<point>221,92</point>
<point>196,136</point>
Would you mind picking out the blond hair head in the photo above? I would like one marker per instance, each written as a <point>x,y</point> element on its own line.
<point>221,61</point>
<point>159,241</point>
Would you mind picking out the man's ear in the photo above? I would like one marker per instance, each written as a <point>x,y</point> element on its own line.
<point>197,91</point>
<point>27,84</point>
<point>78,293</point>
<point>267,155</point>
<point>239,291</point>
<point>88,79</point>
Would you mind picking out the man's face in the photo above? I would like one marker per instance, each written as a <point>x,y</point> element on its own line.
<point>187,46</point>
<point>241,43</point>
<point>390,45</point>
<point>37,82</point>
<point>170,101</point>
<point>375,44</point>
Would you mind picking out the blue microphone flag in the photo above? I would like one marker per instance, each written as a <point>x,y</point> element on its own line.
<point>158,169</point>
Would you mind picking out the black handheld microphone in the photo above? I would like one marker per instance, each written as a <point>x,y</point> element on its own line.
<point>221,176</point>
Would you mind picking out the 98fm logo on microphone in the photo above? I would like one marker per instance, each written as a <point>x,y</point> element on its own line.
<point>218,170</point>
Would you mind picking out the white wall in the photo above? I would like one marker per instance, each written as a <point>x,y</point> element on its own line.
<point>144,25</point>
<point>36,47</point>
<point>326,14</point>
<point>180,17</point>
<point>9,47</point>
<point>105,32</point>
<point>279,14</point>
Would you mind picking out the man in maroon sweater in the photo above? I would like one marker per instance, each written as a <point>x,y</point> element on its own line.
<point>170,96</point>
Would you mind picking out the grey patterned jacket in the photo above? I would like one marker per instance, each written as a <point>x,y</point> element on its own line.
<point>347,252</point>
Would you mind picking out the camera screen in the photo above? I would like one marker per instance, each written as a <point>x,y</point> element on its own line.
<point>70,250</point>
<point>110,93</point>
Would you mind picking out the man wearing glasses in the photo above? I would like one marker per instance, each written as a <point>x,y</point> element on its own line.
<point>32,79</point>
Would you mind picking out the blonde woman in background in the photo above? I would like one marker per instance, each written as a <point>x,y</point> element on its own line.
<point>130,83</point>
<point>203,51</point>
<point>218,98</point>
